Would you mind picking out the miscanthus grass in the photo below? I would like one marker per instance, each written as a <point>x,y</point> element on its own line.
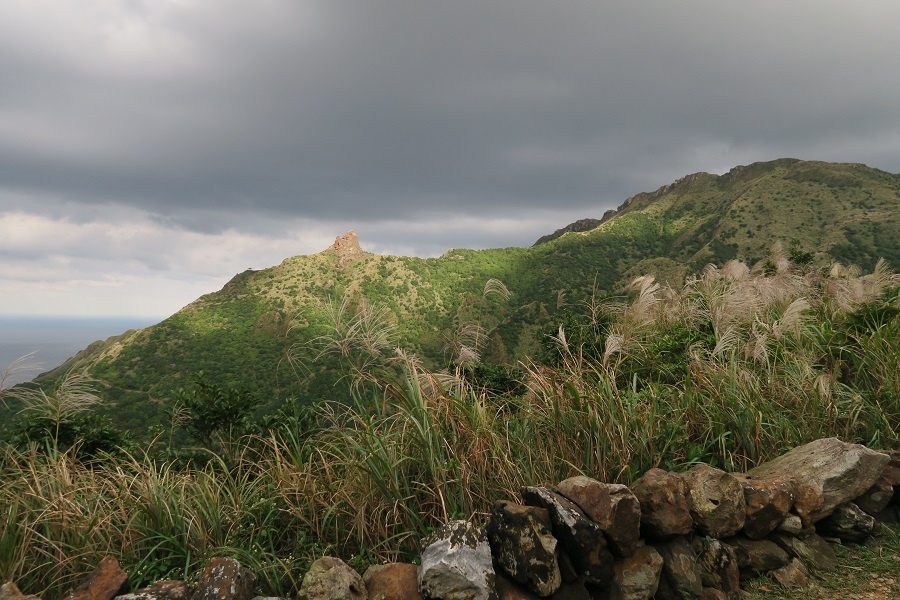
<point>735,367</point>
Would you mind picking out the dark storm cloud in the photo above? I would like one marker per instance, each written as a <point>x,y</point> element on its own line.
<point>386,110</point>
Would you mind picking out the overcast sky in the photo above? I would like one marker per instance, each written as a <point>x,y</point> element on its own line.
<point>151,149</point>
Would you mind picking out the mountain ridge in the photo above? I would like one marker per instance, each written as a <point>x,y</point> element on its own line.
<point>242,335</point>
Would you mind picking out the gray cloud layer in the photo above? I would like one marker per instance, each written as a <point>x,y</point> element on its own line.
<point>227,115</point>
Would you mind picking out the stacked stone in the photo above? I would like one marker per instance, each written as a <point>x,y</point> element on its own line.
<point>670,536</point>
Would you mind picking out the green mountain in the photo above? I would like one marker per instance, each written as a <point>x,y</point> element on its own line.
<point>500,303</point>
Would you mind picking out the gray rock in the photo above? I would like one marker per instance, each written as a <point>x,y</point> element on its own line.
<point>793,525</point>
<point>849,523</point>
<point>611,506</point>
<point>757,556</point>
<point>717,501</point>
<point>718,565</point>
<point>812,550</point>
<point>791,576</point>
<point>580,537</point>
<point>456,564</point>
<point>637,576</point>
<point>167,589</point>
<point>828,473</point>
<point>665,504</point>
<point>681,577</point>
<point>330,578</point>
<point>876,498</point>
<point>523,545</point>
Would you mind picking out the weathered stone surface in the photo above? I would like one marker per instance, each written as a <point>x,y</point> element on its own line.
<point>456,564</point>
<point>665,504</point>
<point>225,579</point>
<point>393,581</point>
<point>10,591</point>
<point>712,594</point>
<point>611,506</point>
<point>812,550</point>
<point>507,589</point>
<point>757,556</point>
<point>680,576</point>
<point>792,575</point>
<point>718,565</point>
<point>523,545</point>
<point>580,537</point>
<point>848,523</point>
<point>167,589</point>
<point>768,502</point>
<point>637,576</point>
<point>828,472</point>
<point>717,501</point>
<point>793,525</point>
<point>876,498</point>
<point>105,582</point>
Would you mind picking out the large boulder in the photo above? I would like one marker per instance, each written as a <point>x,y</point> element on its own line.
<point>456,564</point>
<point>828,473</point>
<point>105,582</point>
<point>717,501</point>
<point>665,501</point>
<point>637,576</point>
<point>393,581</point>
<point>768,503</point>
<point>612,506</point>
<point>581,538</point>
<point>523,545</point>
<point>330,578</point>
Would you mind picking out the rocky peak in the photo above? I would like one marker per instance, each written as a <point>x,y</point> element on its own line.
<point>347,248</point>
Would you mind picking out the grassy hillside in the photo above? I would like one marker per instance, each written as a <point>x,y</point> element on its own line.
<point>268,331</point>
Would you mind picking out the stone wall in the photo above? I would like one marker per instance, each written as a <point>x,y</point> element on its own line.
<point>669,536</point>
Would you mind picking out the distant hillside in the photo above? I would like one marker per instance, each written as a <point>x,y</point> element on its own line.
<point>501,303</point>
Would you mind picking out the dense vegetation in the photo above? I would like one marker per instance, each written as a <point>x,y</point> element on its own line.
<point>733,367</point>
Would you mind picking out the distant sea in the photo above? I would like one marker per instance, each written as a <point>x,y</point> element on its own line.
<point>56,339</point>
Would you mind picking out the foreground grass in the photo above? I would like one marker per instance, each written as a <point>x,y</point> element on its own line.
<point>732,370</point>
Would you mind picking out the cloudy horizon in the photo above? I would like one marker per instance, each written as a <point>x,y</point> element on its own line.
<point>151,149</point>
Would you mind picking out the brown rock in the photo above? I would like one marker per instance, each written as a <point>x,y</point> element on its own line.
<point>330,578</point>
<point>681,576</point>
<point>107,581</point>
<point>393,581</point>
<point>791,576</point>
<point>10,591</point>
<point>577,590</point>
<point>665,501</point>
<point>636,577</point>
<point>611,506</point>
<point>225,579</point>
<point>579,536</point>
<point>523,545</point>
<point>712,594</point>
<point>167,589</point>
<point>717,501</point>
<point>768,502</point>
<point>828,472</point>
<point>718,565</point>
<point>507,589</point>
